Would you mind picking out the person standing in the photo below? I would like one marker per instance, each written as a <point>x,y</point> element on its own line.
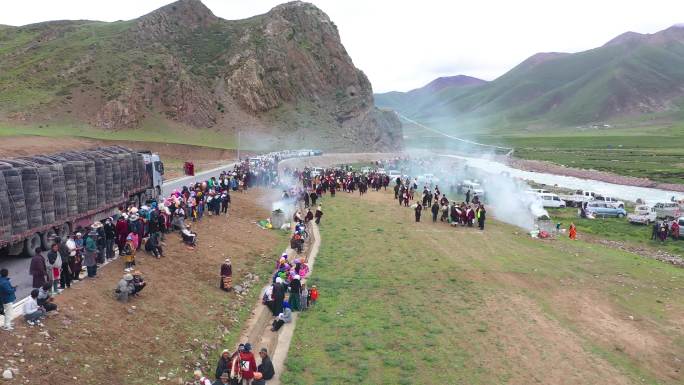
<point>226,283</point>
<point>481,216</point>
<point>467,197</point>
<point>38,270</point>
<point>76,257</point>
<point>7,297</point>
<point>435,211</point>
<point>573,231</point>
<point>419,210</point>
<point>122,231</point>
<point>247,364</point>
<point>318,215</point>
<point>91,254</point>
<point>295,293</point>
<point>65,277</point>
<point>54,265</point>
<point>110,234</point>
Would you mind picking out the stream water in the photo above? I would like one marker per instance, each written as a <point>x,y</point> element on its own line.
<point>630,193</point>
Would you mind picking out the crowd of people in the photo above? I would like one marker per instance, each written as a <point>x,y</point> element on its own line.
<point>125,233</point>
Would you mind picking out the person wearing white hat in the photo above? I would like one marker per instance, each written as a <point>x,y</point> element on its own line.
<point>200,378</point>
<point>226,283</point>
<point>125,288</point>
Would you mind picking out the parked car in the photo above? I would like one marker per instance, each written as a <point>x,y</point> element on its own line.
<point>643,215</point>
<point>394,174</point>
<point>428,179</point>
<point>610,200</point>
<point>578,198</point>
<point>551,200</point>
<point>601,209</point>
<point>667,210</point>
<point>473,187</point>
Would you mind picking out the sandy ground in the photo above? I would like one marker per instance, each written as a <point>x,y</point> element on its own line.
<point>174,325</point>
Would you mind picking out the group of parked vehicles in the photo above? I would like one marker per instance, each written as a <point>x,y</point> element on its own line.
<point>597,205</point>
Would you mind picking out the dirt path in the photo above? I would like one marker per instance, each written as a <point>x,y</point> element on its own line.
<point>258,327</point>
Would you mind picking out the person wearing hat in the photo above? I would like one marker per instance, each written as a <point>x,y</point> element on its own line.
<point>99,229</point>
<point>265,369</point>
<point>226,283</point>
<point>318,215</point>
<point>109,236</point>
<point>125,288</point>
<point>283,318</point>
<point>247,364</point>
<point>224,379</point>
<point>200,378</point>
<point>138,282</point>
<point>223,365</point>
<point>295,293</point>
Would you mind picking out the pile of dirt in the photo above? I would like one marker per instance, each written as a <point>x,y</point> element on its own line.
<point>172,328</point>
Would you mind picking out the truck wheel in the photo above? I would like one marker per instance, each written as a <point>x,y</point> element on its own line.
<point>64,230</point>
<point>621,215</point>
<point>16,249</point>
<point>31,244</point>
<point>47,238</point>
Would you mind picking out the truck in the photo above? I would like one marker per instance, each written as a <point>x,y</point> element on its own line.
<point>44,196</point>
<point>579,198</point>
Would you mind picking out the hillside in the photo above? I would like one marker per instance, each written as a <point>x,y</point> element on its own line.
<point>279,77</point>
<point>431,94</point>
<point>632,76</point>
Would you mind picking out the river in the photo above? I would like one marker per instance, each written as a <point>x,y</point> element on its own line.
<point>630,193</point>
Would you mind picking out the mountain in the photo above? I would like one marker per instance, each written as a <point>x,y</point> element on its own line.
<point>633,76</point>
<point>438,90</point>
<point>281,76</point>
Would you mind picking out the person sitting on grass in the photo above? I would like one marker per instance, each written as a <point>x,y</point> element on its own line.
<point>125,288</point>
<point>45,299</point>
<point>32,312</point>
<point>138,282</point>
<point>189,238</point>
<point>282,318</point>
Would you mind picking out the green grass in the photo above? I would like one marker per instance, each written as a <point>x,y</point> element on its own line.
<point>618,229</point>
<point>403,303</point>
<point>152,130</point>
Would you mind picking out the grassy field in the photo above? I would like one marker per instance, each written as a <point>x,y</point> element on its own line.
<point>618,229</point>
<point>406,303</point>
<point>152,130</point>
<point>656,152</point>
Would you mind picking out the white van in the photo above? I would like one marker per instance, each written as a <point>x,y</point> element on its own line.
<point>551,200</point>
<point>610,201</point>
<point>667,210</point>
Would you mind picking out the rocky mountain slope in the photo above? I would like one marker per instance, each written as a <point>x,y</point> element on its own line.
<point>280,76</point>
<point>634,76</point>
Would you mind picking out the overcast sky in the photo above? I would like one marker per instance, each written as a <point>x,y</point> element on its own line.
<point>402,44</point>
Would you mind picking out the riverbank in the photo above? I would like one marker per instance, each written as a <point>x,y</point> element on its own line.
<point>603,176</point>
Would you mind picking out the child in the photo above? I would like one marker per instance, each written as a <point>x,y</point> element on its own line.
<point>313,296</point>
<point>129,250</point>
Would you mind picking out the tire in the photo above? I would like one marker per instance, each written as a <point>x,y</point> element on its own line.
<point>47,238</point>
<point>63,230</point>
<point>30,245</point>
<point>621,215</point>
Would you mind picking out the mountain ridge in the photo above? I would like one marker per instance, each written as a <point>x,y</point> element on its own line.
<point>284,74</point>
<point>631,76</point>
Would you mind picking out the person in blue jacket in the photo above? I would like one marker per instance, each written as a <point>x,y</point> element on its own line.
<point>7,297</point>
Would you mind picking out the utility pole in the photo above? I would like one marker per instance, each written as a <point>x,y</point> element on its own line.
<point>238,146</point>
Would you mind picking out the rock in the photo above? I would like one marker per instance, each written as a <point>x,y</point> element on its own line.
<point>162,378</point>
<point>7,374</point>
<point>631,317</point>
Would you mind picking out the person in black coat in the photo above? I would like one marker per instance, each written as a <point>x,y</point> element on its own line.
<point>109,235</point>
<point>419,210</point>
<point>265,368</point>
<point>278,296</point>
<point>223,364</point>
<point>435,211</point>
